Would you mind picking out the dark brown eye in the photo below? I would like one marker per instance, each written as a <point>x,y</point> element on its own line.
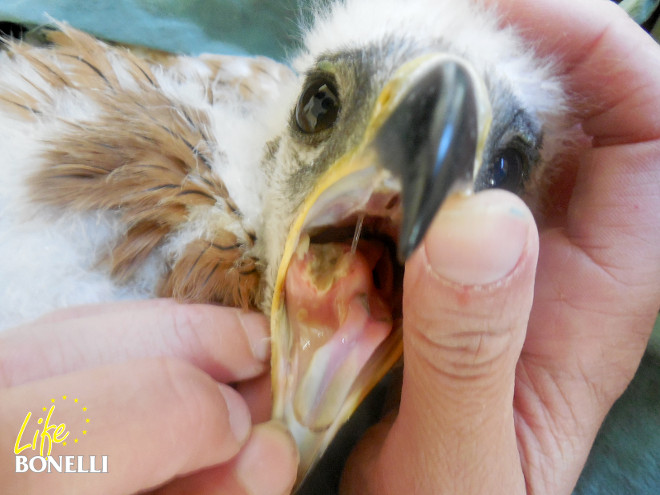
<point>318,106</point>
<point>506,170</point>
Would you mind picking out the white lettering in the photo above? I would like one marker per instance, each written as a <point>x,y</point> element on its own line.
<point>67,464</point>
<point>54,464</point>
<point>81,465</point>
<point>21,463</point>
<point>43,464</point>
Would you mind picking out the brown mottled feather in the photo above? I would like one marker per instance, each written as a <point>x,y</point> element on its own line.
<point>135,247</point>
<point>153,168</point>
<point>214,272</point>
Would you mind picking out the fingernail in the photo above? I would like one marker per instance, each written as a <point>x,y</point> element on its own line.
<point>239,414</point>
<point>257,330</point>
<point>272,443</point>
<point>479,239</point>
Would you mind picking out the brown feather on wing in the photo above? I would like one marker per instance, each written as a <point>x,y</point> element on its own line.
<point>144,156</point>
<point>195,275</point>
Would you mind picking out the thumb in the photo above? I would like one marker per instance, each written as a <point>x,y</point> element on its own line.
<point>467,297</point>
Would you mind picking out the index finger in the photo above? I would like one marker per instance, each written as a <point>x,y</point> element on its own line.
<point>152,419</point>
<point>224,342</point>
<point>610,64</point>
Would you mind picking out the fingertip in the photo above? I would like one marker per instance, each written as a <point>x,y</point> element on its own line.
<point>266,465</point>
<point>257,331</point>
<point>478,240</point>
<point>273,442</point>
<point>238,413</point>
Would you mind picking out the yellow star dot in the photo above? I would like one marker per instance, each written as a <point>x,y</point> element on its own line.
<point>84,432</point>
<point>64,397</point>
<point>64,443</point>
<point>84,409</point>
<point>75,440</point>
<point>75,400</point>
<point>43,408</point>
<point>87,420</point>
<point>52,400</point>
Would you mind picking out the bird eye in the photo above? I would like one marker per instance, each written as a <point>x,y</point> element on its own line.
<point>318,106</point>
<point>506,170</point>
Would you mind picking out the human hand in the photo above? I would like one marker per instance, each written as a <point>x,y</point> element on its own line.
<point>152,375</point>
<point>504,392</point>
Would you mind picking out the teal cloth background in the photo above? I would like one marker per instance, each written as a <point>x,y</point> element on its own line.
<point>626,456</point>
<point>181,26</point>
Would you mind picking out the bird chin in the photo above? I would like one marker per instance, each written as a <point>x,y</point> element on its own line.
<point>336,316</point>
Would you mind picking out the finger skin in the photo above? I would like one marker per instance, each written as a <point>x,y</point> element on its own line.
<point>606,60</point>
<point>455,431</point>
<point>226,343</point>
<point>154,419</point>
<point>596,300</point>
<point>597,285</point>
<point>258,394</point>
<point>267,465</point>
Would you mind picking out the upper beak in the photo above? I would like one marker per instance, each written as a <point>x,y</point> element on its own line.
<point>432,137</point>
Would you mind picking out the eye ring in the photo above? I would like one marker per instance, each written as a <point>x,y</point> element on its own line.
<point>318,106</point>
<point>507,170</point>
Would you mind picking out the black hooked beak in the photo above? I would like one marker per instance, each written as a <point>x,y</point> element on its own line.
<point>431,140</point>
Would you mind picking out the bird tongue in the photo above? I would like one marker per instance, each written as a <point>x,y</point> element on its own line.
<point>338,319</point>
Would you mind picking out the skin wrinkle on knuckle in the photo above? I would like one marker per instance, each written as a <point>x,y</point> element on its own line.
<point>484,313</point>
<point>472,342</point>
<point>188,323</point>
<point>449,371</point>
<point>184,319</point>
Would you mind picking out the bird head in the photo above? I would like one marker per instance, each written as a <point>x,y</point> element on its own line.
<point>398,106</point>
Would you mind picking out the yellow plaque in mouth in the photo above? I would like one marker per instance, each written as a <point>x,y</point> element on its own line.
<point>339,318</point>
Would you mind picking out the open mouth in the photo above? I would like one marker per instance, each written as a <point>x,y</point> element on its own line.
<point>337,312</point>
<point>343,300</point>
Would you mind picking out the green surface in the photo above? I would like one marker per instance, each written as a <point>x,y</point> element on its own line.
<point>180,26</point>
<point>640,10</point>
<point>625,460</point>
<point>654,343</point>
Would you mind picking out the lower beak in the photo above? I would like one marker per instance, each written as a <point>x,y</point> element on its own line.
<point>424,140</point>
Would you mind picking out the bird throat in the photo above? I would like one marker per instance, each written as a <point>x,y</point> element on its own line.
<point>338,317</point>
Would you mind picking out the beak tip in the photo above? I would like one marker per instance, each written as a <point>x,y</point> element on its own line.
<point>431,140</point>
<point>404,252</point>
<point>410,238</point>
